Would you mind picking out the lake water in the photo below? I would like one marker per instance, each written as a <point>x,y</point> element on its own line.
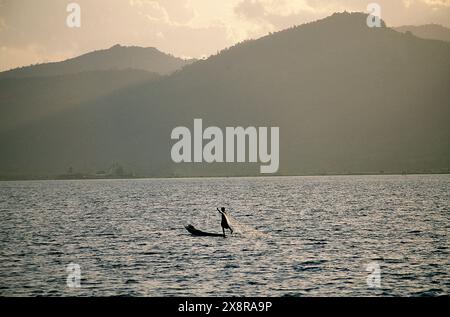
<point>296,236</point>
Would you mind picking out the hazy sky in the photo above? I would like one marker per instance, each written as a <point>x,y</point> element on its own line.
<point>33,31</point>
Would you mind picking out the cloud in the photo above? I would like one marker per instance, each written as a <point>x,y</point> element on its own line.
<point>437,3</point>
<point>151,10</point>
<point>170,12</point>
<point>250,9</point>
<point>278,14</point>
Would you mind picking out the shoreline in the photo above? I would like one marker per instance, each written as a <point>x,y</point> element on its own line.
<point>12,179</point>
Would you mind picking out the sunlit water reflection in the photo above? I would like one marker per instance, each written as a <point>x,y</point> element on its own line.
<point>297,236</point>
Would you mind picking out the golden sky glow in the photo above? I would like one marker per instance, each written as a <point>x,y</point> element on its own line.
<point>35,31</point>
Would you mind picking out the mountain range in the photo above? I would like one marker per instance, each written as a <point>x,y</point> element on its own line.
<point>347,98</point>
<point>427,31</point>
<point>115,58</point>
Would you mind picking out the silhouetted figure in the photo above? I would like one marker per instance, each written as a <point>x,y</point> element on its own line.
<point>224,223</point>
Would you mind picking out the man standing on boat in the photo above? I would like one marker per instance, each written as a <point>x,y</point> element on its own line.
<point>224,223</point>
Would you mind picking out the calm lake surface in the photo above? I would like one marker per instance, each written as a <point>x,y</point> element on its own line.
<point>296,236</point>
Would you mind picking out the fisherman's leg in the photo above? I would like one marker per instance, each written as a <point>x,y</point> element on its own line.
<point>223,230</point>
<point>231,231</point>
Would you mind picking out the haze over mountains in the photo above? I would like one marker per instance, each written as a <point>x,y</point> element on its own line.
<point>28,99</point>
<point>428,31</point>
<point>347,99</point>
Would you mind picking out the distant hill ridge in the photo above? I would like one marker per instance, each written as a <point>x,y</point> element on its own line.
<point>115,58</point>
<point>427,31</point>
